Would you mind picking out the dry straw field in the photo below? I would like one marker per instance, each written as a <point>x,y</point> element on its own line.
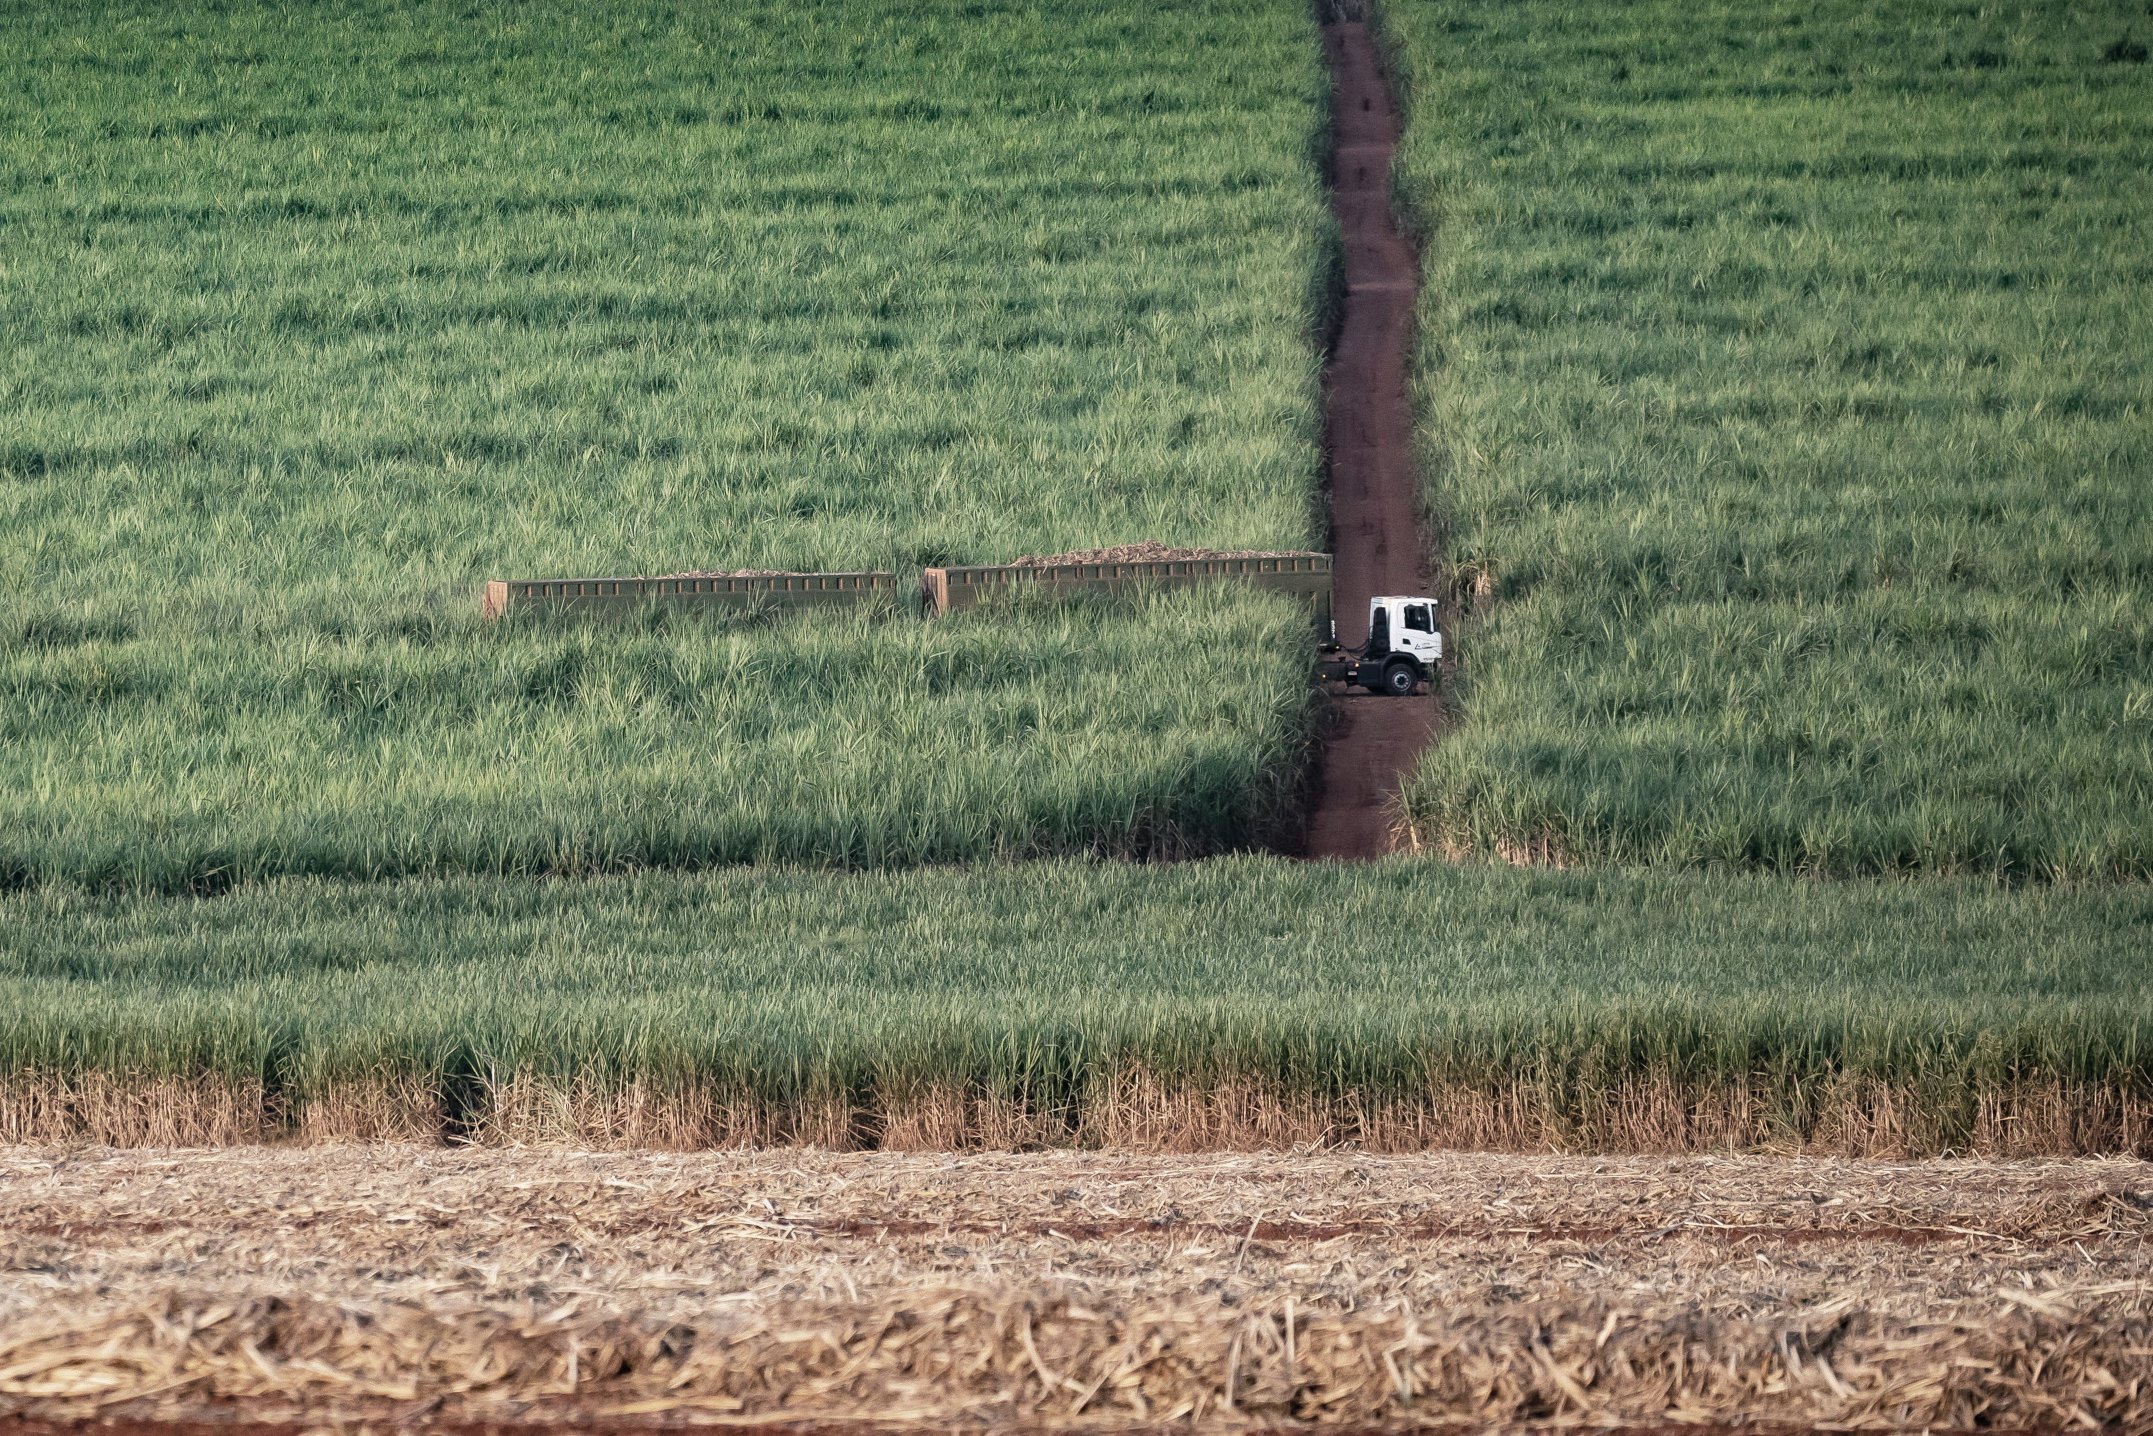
<point>1072,1291</point>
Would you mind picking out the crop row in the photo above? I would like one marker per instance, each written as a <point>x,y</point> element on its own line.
<point>1784,380</point>
<point>1059,992</point>
<point>312,320</point>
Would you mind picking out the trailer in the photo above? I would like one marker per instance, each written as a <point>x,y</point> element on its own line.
<point>1305,576</point>
<point>690,591</point>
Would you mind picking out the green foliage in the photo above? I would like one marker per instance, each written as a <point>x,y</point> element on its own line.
<point>1786,377</point>
<point>1161,727</point>
<point>313,317</point>
<point>1046,978</point>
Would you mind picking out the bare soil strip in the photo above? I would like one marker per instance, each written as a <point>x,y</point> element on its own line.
<point>1165,1228</point>
<point>806,1290</point>
<point>1374,503</point>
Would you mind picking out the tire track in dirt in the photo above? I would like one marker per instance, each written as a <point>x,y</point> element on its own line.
<point>876,1228</point>
<point>1262,1231</point>
<point>1371,741</point>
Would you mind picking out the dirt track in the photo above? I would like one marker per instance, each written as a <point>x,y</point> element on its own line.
<point>1374,503</point>
<point>430,1289</point>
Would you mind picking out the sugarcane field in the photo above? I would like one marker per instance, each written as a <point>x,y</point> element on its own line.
<point>1067,716</point>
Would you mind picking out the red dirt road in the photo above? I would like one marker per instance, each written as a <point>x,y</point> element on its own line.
<point>1374,509</point>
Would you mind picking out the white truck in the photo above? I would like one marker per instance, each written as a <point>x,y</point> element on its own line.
<point>1404,649</point>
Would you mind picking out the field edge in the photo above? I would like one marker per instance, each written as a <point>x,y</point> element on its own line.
<point>1652,1112</point>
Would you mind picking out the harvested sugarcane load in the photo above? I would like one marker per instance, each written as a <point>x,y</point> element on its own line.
<point>1129,567</point>
<point>739,588</point>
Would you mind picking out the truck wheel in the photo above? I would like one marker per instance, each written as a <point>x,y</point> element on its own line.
<point>1399,680</point>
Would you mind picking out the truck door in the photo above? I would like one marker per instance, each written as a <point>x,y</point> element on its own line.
<point>1417,635</point>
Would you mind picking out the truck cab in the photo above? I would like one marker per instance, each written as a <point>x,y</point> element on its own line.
<point>1404,649</point>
